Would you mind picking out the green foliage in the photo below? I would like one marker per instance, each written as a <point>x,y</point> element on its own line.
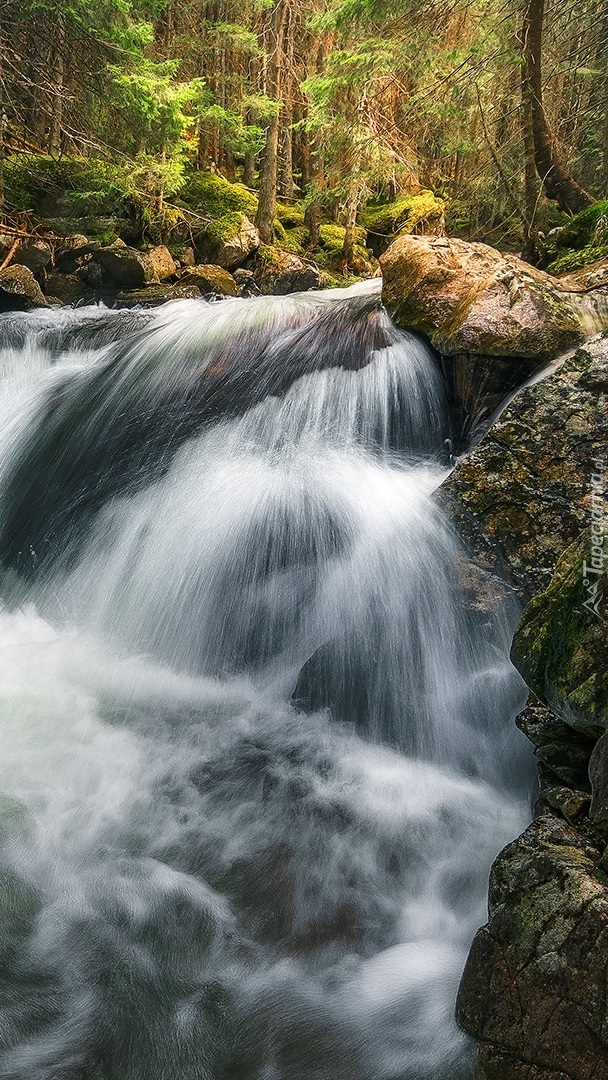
<point>83,185</point>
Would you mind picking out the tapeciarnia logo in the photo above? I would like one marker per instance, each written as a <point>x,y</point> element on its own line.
<point>594,570</point>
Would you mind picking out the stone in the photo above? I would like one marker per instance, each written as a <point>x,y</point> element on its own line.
<point>470,298</point>
<point>66,288</point>
<point>34,253</point>
<point>19,290</point>
<point>280,272</point>
<point>162,262</point>
<point>126,266</point>
<point>534,986</point>
<point>211,280</point>
<point>245,282</point>
<point>155,295</point>
<point>235,250</point>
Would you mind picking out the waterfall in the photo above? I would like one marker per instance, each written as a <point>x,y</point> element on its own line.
<point>258,749</point>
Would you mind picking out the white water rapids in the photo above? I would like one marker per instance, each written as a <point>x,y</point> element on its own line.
<point>257,749</point>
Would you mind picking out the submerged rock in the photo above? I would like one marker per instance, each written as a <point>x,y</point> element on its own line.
<point>154,295</point>
<point>210,280</point>
<point>19,290</point>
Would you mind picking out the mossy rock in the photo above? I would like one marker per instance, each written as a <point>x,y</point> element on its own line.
<point>209,194</point>
<point>292,216</point>
<point>420,212</point>
<point>575,260</point>
<point>559,645</point>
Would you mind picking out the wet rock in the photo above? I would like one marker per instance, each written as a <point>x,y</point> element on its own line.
<point>73,252</point>
<point>67,288</point>
<point>280,272</point>
<point>528,486</point>
<point>559,645</point>
<point>19,290</point>
<point>210,280</point>
<point>155,295</point>
<point>534,987</point>
<point>162,262</point>
<point>470,298</point>
<point>126,266</point>
<point>245,282</point>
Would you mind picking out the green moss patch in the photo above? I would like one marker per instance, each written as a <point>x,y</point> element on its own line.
<point>406,214</point>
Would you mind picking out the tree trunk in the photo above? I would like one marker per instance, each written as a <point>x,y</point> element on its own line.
<point>268,173</point>
<point>286,117</point>
<point>557,181</point>
<point>529,249</point>
<point>55,132</point>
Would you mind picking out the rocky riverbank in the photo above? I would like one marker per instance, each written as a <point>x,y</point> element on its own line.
<point>530,497</point>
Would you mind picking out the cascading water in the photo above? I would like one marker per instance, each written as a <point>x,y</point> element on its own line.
<point>257,748</point>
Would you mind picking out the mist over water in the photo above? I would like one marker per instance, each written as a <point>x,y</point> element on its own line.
<point>258,749</point>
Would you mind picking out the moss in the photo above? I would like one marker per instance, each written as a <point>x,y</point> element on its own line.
<point>406,214</point>
<point>280,233</point>
<point>291,217</point>
<point>209,194</point>
<point>583,229</point>
<point>574,260</point>
<point>297,239</point>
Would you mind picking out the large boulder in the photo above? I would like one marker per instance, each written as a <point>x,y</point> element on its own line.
<point>280,272</point>
<point>19,290</point>
<point>211,280</point>
<point>470,298</point>
<point>235,249</point>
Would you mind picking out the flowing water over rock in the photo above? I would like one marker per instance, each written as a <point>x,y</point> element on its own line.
<point>257,748</point>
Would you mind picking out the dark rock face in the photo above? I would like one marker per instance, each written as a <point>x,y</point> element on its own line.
<point>559,645</point>
<point>126,266</point>
<point>534,987</point>
<point>529,484</point>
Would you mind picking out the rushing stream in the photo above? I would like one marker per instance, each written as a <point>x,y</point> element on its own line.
<point>257,742</point>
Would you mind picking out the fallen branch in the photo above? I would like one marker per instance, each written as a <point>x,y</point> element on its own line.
<point>12,251</point>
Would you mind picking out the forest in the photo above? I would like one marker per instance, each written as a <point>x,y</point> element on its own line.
<point>356,117</point>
